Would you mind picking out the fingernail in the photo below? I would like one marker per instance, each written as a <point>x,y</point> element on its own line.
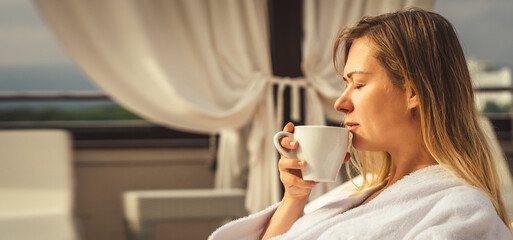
<point>300,163</point>
<point>292,143</point>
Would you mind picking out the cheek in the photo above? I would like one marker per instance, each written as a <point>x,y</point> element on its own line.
<point>389,117</point>
<point>380,115</point>
<point>372,109</point>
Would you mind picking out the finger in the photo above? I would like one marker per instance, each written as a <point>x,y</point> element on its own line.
<point>287,163</point>
<point>309,184</point>
<point>306,184</point>
<point>348,156</point>
<point>289,143</point>
<point>289,127</point>
<point>293,181</point>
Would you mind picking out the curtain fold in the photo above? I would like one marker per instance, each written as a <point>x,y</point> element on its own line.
<point>501,164</point>
<point>232,172</point>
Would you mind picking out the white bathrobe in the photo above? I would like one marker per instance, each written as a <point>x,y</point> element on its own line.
<point>427,204</point>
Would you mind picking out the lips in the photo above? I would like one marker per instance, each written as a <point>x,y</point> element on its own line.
<point>352,126</point>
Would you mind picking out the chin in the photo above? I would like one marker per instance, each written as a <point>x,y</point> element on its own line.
<point>362,145</point>
<point>359,148</point>
<point>358,145</point>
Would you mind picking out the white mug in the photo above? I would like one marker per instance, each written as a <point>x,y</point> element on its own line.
<point>322,147</point>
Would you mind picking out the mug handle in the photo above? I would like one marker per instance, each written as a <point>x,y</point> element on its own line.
<point>283,151</point>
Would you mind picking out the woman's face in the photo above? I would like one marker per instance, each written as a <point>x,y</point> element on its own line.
<point>377,112</point>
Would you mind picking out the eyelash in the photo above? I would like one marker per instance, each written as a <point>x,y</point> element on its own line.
<point>357,86</point>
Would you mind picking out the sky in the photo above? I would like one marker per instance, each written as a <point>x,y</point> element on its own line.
<point>485,27</point>
<point>31,58</point>
<point>24,37</point>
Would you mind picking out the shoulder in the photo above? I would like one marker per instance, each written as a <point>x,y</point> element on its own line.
<point>467,197</point>
<point>438,186</point>
<point>465,203</point>
<point>463,212</point>
<point>451,209</point>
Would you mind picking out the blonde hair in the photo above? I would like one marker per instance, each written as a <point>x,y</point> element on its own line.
<point>421,50</point>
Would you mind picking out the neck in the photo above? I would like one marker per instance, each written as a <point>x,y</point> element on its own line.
<point>404,163</point>
<point>408,160</point>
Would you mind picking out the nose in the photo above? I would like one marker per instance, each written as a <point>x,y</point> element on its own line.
<point>344,103</point>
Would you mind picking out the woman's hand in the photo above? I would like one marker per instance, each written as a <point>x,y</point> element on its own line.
<point>290,170</point>
<point>296,190</point>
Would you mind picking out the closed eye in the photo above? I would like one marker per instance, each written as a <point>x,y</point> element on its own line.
<point>345,82</point>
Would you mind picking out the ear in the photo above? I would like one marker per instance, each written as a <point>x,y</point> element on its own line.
<point>413,99</point>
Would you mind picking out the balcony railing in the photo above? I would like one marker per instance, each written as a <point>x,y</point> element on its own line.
<point>119,133</point>
<point>52,96</point>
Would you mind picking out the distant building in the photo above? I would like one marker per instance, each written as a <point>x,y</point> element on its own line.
<point>483,74</point>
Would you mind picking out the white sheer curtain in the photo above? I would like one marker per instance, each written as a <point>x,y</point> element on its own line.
<point>195,65</point>
<point>501,165</point>
<point>322,20</point>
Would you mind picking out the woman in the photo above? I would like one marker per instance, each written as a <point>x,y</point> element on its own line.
<point>409,97</point>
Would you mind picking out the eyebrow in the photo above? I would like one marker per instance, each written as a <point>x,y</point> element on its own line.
<point>354,72</point>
